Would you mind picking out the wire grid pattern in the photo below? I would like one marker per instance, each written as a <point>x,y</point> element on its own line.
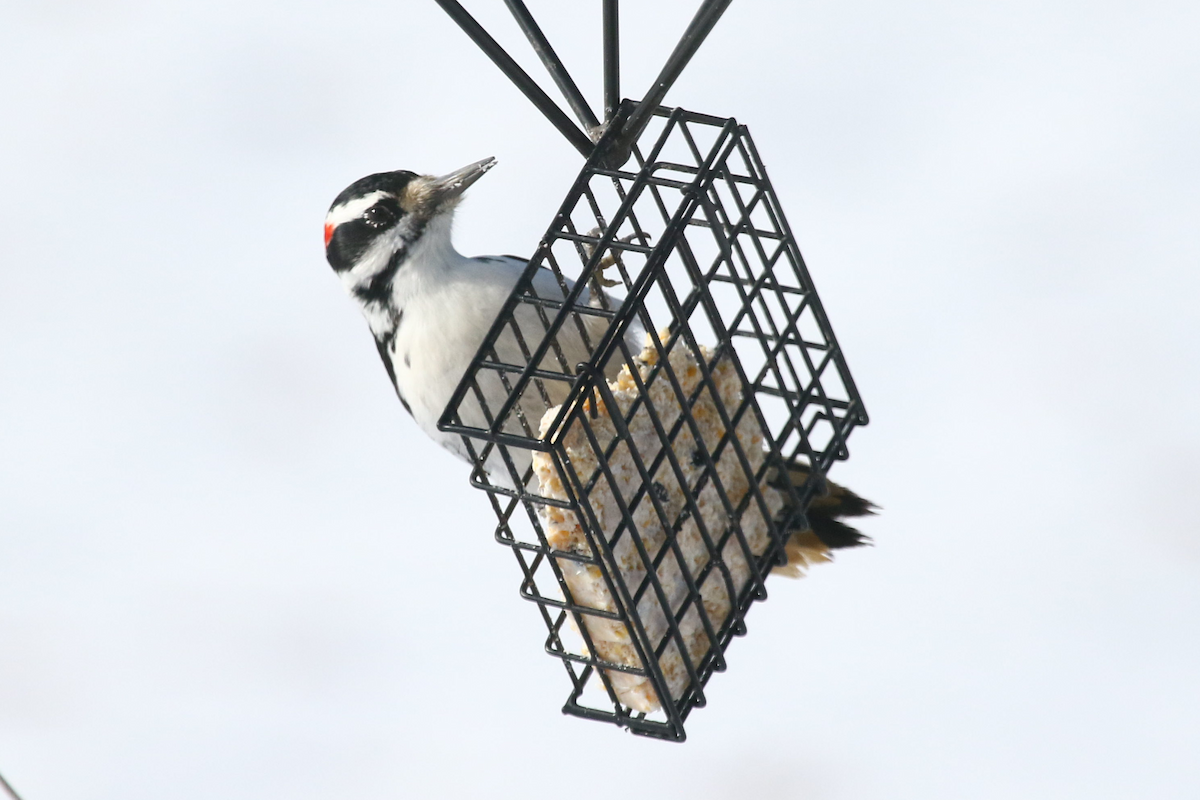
<point>699,268</point>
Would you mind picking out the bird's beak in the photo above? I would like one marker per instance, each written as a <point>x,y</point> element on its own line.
<point>448,187</point>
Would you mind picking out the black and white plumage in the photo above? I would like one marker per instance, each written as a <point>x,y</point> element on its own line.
<point>429,308</point>
<point>388,237</point>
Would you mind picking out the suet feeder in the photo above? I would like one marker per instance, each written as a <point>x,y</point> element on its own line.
<point>647,508</point>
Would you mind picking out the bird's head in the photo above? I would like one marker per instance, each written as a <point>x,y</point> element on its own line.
<point>377,222</point>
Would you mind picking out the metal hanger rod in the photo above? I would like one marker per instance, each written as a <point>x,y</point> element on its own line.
<point>617,152</point>
<point>8,790</point>
<point>553,64</point>
<point>612,59</point>
<point>518,76</point>
<point>699,28</point>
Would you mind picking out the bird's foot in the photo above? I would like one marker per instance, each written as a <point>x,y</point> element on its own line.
<point>610,258</point>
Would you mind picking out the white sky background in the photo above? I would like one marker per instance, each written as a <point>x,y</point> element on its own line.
<point>230,565</point>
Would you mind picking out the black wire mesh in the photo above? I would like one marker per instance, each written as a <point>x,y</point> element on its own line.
<point>629,424</point>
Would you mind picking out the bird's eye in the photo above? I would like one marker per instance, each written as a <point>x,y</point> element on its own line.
<point>379,216</point>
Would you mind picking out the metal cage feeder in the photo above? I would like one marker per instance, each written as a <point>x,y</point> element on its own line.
<point>663,357</point>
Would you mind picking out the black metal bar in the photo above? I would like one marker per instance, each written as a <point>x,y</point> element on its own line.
<point>697,31</point>
<point>518,76</point>
<point>11,792</point>
<point>819,308</point>
<point>554,65</point>
<point>612,59</point>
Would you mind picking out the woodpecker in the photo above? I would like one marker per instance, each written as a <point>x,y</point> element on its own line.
<point>388,238</point>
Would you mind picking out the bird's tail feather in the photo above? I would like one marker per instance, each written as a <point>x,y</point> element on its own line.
<point>825,531</point>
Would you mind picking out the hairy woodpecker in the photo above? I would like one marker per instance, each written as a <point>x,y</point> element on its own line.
<point>387,236</point>
<point>429,308</point>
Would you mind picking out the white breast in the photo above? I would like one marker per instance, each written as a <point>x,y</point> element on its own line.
<point>444,322</point>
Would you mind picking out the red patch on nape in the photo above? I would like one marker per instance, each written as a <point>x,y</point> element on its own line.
<point>328,233</point>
